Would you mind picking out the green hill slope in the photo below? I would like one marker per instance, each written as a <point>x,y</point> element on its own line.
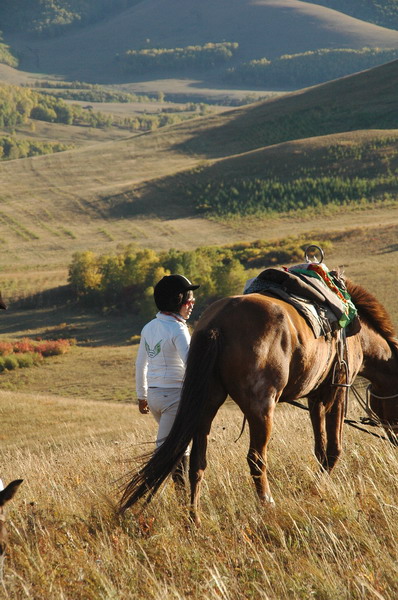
<point>261,27</point>
<point>363,101</point>
<point>91,197</point>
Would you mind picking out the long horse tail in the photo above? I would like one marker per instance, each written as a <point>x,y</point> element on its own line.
<point>201,361</point>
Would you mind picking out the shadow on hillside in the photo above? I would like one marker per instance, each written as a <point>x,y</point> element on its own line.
<point>165,200</point>
<point>388,249</point>
<point>89,329</point>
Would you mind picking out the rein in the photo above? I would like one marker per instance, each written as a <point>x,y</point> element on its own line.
<point>372,420</point>
<point>368,391</point>
<point>350,422</point>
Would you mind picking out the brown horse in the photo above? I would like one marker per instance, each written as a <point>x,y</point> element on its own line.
<point>259,350</point>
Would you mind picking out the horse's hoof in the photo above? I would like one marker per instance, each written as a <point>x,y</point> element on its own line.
<point>195,519</point>
<point>269,501</point>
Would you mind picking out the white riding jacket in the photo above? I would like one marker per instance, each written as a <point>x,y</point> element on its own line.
<point>162,354</point>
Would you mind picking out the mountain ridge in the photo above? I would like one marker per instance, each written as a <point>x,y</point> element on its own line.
<point>263,28</point>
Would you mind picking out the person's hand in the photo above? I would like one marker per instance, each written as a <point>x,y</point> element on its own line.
<point>143,407</point>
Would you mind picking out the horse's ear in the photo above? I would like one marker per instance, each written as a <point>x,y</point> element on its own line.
<point>9,491</point>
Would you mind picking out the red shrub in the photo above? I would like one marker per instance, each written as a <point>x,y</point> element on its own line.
<point>25,345</point>
<point>52,347</point>
<point>5,348</point>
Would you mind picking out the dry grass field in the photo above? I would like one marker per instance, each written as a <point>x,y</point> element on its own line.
<point>70,427</point>
<point>72,431</point>
<point>328,537</point>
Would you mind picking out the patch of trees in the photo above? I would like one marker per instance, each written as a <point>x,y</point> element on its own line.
<point>337,175</point>
<point>267,196</point>
<point>90,93</point>
<point>52,17</point>
<point>178,59</point>
<point>6,56</point>
<point>11,147</point>
<point>308,68</point>
<point>18,104</point>
<point>125,280</point>
<point>383,12</point>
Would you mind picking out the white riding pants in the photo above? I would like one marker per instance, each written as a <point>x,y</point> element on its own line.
<point>163,404</point>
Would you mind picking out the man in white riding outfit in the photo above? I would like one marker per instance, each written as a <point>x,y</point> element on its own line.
<point>162,355</point>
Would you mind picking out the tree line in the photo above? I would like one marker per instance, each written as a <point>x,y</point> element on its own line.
<point>11,147</point>
<point>125,280</point>
<point>19,104</point>
<point>207,56</point>
<point>6,56</point>
<point>266,196</point>
<point>308,68</point>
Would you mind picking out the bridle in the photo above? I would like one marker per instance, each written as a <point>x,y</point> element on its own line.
<point>373,418</point>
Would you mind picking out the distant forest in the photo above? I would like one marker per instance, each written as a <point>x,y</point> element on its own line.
<point>19,104</point>
<point>308,68</point>
<point>379,12</point>
<point>207,56</point>
<point>50,17</point>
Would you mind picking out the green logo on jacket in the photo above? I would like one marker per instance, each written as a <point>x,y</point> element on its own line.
<point>154,351</point>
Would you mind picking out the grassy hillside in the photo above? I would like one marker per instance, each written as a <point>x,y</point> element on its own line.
<point>362,101</point>
<point>271,29</point>
<point>328,537</point>
<point>383,13</point>
<point>327,171</point>
<point>90,197</point>
<point>53,17</point>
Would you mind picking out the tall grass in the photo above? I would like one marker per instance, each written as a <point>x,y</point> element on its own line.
<point>328,538</point>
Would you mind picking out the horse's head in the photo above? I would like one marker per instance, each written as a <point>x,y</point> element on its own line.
<point>383,399</point>
<point>5,495</point>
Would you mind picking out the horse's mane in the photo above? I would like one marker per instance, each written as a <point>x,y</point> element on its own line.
<point>372,311</point>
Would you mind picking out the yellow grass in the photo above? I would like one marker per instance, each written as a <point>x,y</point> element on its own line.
<point>329,537</point>
<point>72,431</point>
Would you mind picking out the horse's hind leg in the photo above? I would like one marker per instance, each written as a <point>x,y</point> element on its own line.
<point>198,461</point>
<point>260,424</point>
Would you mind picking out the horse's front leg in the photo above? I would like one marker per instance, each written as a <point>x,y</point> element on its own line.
<point>260,424</point>
<point>334,430</point>
<point>317,414</point>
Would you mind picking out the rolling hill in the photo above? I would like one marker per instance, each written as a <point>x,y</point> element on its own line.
<point>134,189</point>
<point>263,28</point>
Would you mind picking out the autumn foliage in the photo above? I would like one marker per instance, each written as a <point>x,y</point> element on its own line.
<point>28,352</point>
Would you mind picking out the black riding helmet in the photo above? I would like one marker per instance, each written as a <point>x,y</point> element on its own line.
<point>171,292</point>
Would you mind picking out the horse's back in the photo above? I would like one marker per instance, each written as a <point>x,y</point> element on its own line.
<point>253,315</point>
<point>264,343</point>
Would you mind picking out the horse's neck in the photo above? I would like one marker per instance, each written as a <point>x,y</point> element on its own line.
<point>378,354</point>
